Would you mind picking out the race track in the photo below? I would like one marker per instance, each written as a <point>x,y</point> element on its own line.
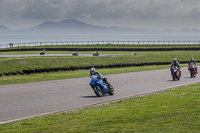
<point>36,55</point>
<point>34,99</point>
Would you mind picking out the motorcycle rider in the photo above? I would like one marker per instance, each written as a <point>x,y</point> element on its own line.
<point>76,52</point>
<point>194,62</point>
<point>99,76</point>
<point>177,64</point>
<point>43,52</point>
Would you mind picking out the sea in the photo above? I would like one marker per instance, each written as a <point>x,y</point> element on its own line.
<point>6,39</point>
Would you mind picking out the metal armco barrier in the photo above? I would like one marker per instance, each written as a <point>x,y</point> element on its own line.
<point>28,44</point>
<point>102,49</point>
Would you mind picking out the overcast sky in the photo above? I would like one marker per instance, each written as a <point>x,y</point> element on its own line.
<point>150,14</point>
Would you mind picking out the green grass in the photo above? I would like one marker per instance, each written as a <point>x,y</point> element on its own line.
<point>172,111</point>
<point>7,80</point>
<point>25,63</point>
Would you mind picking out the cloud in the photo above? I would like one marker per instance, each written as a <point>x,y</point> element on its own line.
<point>99,9</point>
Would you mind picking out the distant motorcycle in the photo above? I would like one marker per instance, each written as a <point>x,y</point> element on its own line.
<point>192,70</point>
<point>42,53</point>
<point>96,54</point>
<point>175,73</point>
<point>100,88</point>
<point>75,53</point>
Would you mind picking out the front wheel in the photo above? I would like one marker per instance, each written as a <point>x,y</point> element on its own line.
<point>179,76</point>
<point>191,74</point>
<point>174,77</point>
<point>111,90</point>
<point>98,90</point>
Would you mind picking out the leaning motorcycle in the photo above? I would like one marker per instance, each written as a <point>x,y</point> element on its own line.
<point>175,73</point>
<point>42,53</point>
<point>192,70</point>
<point>75,54</point>
<point>100,88</point>
<point>96,54</point>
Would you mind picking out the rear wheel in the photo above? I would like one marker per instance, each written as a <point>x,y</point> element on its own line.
<point>98,90</point>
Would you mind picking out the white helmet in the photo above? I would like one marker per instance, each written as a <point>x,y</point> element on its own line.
<point>174,60</point>
<point>92,70</point>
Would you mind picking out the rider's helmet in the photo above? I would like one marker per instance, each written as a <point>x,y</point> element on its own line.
<point>191,59</point>
<point>174,60</point>
<point>92,70</point>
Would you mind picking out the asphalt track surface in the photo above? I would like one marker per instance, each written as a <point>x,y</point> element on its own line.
<point>28,100</point>
<point>35,55</point>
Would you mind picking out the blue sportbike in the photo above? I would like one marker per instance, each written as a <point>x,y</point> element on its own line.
<point>101,88</point>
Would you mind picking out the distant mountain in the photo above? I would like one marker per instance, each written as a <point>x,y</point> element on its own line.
<point>4,29</point>
<point>73,26</point>
<point>70,26</point>
<point>66,26</point>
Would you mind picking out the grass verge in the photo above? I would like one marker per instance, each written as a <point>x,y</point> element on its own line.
<point>26,63</point>
<point>18,79</point>
<point>173,111</point>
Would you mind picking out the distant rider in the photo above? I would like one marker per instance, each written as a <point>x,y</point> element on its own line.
<point>192,61</point>
<point>43,51</point>
<point>175,63</point>
<point>76,52</point>
<point>99,76</point>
